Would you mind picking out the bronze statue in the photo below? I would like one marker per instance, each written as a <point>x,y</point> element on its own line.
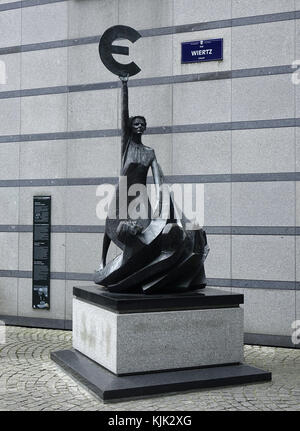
<point>158,254</point>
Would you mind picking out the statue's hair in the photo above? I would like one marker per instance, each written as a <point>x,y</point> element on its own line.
<point>130,120</point>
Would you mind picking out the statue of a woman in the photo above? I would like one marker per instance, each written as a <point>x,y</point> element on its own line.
<point>136,159</point>
<point>158,254</point>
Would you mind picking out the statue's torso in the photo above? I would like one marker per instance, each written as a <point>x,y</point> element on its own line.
<point>136,162</point>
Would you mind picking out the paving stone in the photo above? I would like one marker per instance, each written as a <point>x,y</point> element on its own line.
<point>29,380</point>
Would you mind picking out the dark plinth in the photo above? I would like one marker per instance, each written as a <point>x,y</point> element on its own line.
<point>111,388</point>
<point>133,303</point>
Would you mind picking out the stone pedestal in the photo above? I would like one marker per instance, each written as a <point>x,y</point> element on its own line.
<point>133,345</point>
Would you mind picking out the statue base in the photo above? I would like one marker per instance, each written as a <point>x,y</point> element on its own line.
<point>127,346</point>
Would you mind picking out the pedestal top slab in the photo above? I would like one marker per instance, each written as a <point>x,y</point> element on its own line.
<point>133,303</point>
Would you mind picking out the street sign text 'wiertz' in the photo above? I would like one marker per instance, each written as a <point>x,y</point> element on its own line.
<point>202,50</point>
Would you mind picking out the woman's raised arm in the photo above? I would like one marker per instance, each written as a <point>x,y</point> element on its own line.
<point>124,114</point>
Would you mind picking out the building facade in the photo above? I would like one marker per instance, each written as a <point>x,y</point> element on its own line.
<point>232,125</point>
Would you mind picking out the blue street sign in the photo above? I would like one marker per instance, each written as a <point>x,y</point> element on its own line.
<point>202,50</point>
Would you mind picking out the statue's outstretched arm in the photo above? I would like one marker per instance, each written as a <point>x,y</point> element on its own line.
<point>124,114</point>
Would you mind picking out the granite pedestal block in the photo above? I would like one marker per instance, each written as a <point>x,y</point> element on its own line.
<point>131,345</point>
<point>132,342</point>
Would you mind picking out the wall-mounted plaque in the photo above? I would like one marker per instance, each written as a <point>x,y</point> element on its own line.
<point>41,252</point>
<point>202,50</point>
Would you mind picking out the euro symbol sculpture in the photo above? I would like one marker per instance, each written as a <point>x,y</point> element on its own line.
<point>106,49</point>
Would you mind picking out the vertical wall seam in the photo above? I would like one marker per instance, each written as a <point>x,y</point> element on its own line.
<point>295,163</point>
<point>67,152</point>
<point>172,90</point>
<point>231,148</point>
<point>19,156</point>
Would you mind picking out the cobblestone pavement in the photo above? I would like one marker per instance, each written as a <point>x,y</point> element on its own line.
<point>29,380</point>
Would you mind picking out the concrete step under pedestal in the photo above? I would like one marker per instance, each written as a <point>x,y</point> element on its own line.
<point>111,388</point>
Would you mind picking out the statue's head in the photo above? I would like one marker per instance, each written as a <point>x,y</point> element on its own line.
<point>137,125</point>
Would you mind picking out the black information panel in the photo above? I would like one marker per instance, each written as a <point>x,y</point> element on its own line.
<point>41,252</point>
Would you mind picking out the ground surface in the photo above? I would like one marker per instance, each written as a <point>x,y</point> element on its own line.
<point>29,380</point>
